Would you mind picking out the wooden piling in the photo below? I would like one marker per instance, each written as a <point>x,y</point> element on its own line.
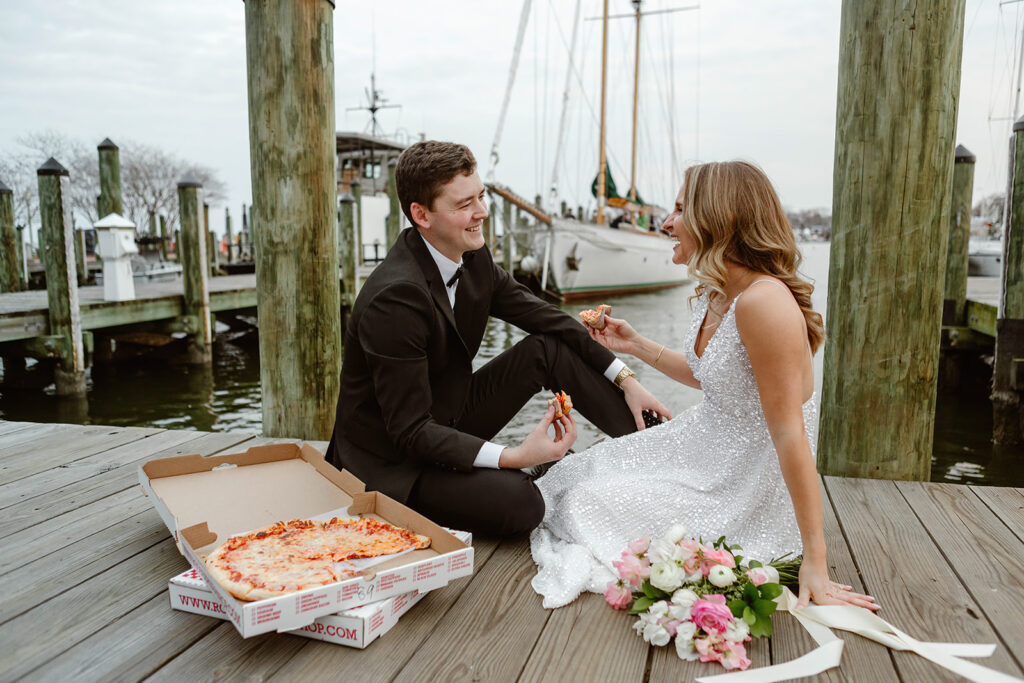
<point>895,127</point>
<point>294,170</point>
<point>81,264</point>
<point>212,261</point>
<point>394,215</point>
<point>492,225</point>
<point>109,200</point>
<point>347,248</point>
<point>954,297</point>
<point>228,233</point>
<point>58,254</point>
<point>22,266</point>
<point>506,237</point>
<point>195,275</point>
<point>357,196</point>
<point>10,263</point>
<point>1008,370</point>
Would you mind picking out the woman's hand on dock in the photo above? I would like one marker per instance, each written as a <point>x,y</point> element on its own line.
<point>816,585</point>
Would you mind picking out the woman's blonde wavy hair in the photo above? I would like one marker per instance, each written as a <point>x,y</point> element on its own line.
<point>731,211</point>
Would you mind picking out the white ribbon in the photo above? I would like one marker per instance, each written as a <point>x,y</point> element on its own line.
<point>819,619</point>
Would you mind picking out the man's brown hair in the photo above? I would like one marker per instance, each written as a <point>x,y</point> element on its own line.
<point>426,167</point>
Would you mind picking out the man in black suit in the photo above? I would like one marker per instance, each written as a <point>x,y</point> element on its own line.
<point>413,418</point>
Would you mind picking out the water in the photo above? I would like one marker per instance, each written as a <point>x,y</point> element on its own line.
<point>225,396</point>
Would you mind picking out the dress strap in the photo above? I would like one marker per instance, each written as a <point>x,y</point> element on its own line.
<point>774,282</point>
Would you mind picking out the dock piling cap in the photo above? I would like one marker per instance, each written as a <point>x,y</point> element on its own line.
<point>4,189</point>
<point>52,167</point>
<point>113,220</point>
<point>1018,124</point>
<point>963,155</point>
<point>106,144</point>
<point>189,180</point>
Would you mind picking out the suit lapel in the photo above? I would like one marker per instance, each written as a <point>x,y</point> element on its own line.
<point>433,277</point>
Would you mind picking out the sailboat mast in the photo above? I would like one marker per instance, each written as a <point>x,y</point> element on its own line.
<point>603,167</point>
<point>636,99</point>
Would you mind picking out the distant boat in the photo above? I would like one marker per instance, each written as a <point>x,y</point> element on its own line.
<point>985,258</point>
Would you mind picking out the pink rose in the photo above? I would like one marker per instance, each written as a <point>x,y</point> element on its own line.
<point>711,614</point>
<point>640,545</point>
<point>734,656</point>
<point>618,595</point>
<point>632,569</point>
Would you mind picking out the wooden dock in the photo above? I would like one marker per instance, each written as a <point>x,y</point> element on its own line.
<point>86,562</point>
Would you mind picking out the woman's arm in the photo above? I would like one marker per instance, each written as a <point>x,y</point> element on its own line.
<point>618,335</point>
<point>771,326</point>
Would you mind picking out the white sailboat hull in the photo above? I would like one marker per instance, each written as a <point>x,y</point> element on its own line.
<point>585,260</point>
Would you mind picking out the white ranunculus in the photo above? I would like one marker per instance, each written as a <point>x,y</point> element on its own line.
<point>676,533</point>
<point>641,622</point>
<point>684,641</point>
<point>680,612</point>
<point>668,576</point>
<point>657,610</point>
<point>685,596</point>
<point>720,576</point>
<point>662,550</point>
<point>656,634</point>
<point>737,631</point>
<point>771,572</point>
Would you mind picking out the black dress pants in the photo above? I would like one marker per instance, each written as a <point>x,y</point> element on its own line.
<point>506,502</point>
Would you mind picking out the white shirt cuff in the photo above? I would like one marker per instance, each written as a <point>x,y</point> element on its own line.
<point>613,370</point>
<point>489,455</point>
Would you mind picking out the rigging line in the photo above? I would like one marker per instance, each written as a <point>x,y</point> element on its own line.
<point>544,114</point>
<point>670,50</point>
<point>524,17</point>
<point>565,97</point>
<point>536,150</point>
<point>696,125</point>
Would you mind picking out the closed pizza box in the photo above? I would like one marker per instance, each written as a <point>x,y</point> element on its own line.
<point>206,500</point>
<point>356,627</point>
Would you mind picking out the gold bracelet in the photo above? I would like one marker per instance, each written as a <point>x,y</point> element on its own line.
<point>623,375</point>
<point>655,363</point>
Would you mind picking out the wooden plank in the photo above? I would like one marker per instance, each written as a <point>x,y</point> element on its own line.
<point>385,658</point>
<point>8,426</point>
<point>11,440</point>
<point>1006,503</point>
<point>862,658</point>
<point>588,641</point>
<point>41,634</point>
<point>53,573</point>
<point>908,575</point>
<point>78,493</point>
<point>97,463</point>
<point>490,631</point>
<point>57,450</point>
<point>982,551</point>
<point>129,648</point>
<point>42,539</point>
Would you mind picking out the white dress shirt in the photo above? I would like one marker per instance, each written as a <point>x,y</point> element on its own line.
<point>490,452</point>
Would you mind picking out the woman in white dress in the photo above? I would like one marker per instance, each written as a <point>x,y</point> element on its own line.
<point>740,463</point>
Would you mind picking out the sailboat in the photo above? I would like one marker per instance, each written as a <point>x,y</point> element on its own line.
<point>571,258</point>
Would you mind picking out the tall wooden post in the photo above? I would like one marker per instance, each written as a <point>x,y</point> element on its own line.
<point>347,247</point>
<point>357,246</point>
<point>163,237</point>
<point>109,200</point>
<point>81,265</point>
<point>10,264</point>
<point>1008,371</point>
<point>394,215</point>
<point>192,255</point>
<point>954,297</point>
<point>58,256</point>
<point>492,224</point>
<point>229,235</point>
<point>579,212</point>
<point>294,188</point>
<point>507,235</point>
<point>895,126</point>
<point>211,242</point>
<point>22,261</point>
<point>564,207</point>
<point>151,225</point>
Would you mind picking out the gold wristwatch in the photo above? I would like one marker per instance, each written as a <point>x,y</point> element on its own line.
<point>623,374</point>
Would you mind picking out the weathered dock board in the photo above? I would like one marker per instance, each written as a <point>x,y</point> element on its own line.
<point>87,560</point>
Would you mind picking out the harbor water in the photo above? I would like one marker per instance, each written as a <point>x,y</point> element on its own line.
<point>226,395</point>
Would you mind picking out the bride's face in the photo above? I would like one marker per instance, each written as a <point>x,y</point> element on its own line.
<point>683,247</point>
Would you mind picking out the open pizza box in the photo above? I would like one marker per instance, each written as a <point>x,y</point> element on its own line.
<point>205,500</point>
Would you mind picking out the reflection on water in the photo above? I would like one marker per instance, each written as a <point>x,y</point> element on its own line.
<point>226,395</point>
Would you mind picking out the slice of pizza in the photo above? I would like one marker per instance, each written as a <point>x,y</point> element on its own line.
<point>562,403</point>
<point>595,317</point>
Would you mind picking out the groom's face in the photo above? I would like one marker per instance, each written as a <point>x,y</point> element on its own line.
<point>454,225</point>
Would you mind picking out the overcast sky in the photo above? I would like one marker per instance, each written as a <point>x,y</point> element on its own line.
<point>755,80</point>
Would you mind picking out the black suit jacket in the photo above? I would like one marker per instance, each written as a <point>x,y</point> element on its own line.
<point>408,362</point>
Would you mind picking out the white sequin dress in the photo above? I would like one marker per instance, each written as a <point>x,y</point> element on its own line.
<point>712,468</point>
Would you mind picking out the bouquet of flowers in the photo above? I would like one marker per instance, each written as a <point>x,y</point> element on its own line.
<point>703,595</point>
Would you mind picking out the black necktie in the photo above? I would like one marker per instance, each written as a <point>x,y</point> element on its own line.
<point>454,278</point>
